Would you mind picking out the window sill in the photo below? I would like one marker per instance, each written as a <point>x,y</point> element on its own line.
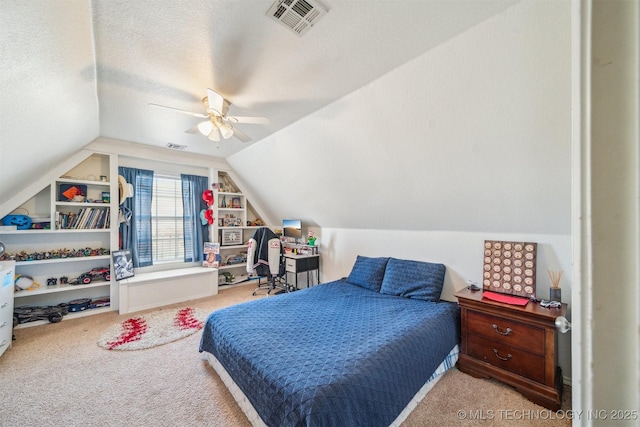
<point>167,274</point>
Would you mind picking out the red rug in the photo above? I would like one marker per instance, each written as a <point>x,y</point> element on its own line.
<point>153,329</point>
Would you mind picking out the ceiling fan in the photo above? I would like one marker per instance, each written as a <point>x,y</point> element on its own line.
<point>218,124</point>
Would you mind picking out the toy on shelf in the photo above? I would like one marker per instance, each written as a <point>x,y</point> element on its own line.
<point>20,221</point>
<point>86,278</point>
<point>27,314</point>
<point>54,254</point>
<point>23,282</point>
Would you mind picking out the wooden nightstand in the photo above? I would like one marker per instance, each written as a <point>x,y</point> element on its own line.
<point>512,344</point>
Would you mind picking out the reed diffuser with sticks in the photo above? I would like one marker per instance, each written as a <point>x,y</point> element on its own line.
<point>555,292</point>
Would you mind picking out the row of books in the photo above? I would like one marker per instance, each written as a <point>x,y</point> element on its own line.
<point>84,219</point>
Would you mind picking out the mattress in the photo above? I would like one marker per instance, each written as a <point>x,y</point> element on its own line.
<point>334,354</point>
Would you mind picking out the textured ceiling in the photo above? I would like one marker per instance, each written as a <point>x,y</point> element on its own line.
<point>169,52</point>
<point>75,70</point>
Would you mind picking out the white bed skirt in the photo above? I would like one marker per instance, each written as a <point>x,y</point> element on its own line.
<point>448,363</point>
<point>256,421</point>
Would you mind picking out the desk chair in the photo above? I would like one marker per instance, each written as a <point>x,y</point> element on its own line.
<point>266,259</point>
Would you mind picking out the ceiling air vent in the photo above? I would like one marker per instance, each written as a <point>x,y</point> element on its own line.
<point>176,146</point>
<point>297,15</point>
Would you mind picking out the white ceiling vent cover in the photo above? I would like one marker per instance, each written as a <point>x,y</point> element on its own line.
<point>297,15</point>
<point>176,146</point>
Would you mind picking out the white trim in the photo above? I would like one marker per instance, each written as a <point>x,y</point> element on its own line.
<point>581,288</point>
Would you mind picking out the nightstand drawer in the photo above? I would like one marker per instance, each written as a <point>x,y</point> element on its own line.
<point>509,332</point>
<point>506,357</point>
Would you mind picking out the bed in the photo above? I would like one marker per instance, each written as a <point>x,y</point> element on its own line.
<point>358,351</point>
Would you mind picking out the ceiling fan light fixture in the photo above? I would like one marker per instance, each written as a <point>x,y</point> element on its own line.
<point>214,135</point>
<point>206,127</point>
<point>219,125</point>
<point>226,130</point>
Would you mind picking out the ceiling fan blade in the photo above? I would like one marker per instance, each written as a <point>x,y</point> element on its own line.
<point>217,102</point>
<point>203,116</point>
<point>241,135</point>
<point>248,120</point>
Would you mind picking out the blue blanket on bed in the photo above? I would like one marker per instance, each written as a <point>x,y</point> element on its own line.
<point>333,354</point>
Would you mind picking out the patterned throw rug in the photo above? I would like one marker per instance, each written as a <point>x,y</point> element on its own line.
<point>153,329</point>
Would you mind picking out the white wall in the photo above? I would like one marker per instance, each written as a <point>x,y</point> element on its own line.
<point>474,135</point>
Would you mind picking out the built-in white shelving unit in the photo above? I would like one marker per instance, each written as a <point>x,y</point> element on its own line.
<point>73,237</point>
<point>233,228</point>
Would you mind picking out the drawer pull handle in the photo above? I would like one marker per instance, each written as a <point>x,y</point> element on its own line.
<point>507,332</point>
<point>3,324</point>
<point>3,343</point>
<point>4,305</point>
<point>509,356</point>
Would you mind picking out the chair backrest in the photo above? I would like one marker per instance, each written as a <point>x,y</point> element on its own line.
<point>264,254</point>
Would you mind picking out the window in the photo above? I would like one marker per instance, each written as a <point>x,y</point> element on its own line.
<point>165,227</point>
<point>167,219</point>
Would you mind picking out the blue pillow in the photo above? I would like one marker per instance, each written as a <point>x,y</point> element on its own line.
<point>368,272</point>
<point>413,279</point>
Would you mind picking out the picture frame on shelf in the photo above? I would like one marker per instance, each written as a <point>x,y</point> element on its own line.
<point>211,255</point>
<point>231,237</point>
<point>236,203</point>
<point>122,264</point>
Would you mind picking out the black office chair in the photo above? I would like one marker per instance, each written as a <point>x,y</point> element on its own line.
<point>265,259</point>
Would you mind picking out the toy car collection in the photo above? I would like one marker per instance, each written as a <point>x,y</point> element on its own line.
<point>54,254</point>
<point>54,314</point>
<point>27,314</point>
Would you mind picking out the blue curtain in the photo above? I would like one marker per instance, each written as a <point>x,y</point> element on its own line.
<point>136,235</point>
<point>195,234</point>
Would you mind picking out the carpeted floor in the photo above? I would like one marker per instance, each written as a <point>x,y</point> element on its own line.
<point>56,374</point>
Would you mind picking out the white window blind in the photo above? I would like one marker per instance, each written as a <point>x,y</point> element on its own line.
<point>167,219</point>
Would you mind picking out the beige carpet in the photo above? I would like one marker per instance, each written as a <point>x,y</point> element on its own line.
<point>56,374</point>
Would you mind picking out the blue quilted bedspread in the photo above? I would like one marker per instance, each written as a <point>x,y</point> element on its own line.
<point>333,354</point>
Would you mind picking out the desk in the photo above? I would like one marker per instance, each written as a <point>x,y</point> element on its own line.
<point>302,264</point>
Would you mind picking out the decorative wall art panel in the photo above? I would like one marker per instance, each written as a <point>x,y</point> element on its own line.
<point>510,267</point>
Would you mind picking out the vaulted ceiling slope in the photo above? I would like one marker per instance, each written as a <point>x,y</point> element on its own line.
<point>74,70</point>
<point>472,136</point>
